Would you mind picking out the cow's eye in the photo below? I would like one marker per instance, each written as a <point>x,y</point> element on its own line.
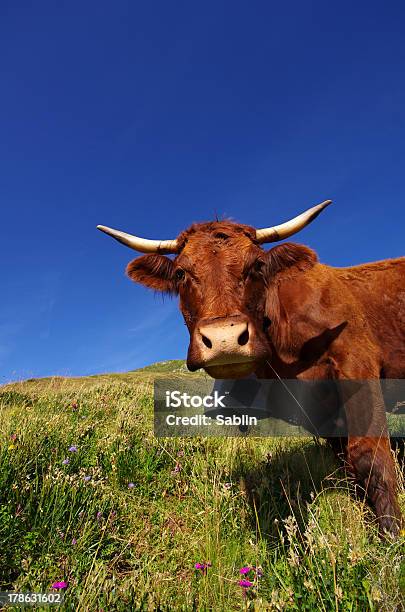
<point>179,274</point>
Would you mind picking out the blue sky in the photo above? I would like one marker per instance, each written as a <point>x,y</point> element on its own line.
<point>147,116</point>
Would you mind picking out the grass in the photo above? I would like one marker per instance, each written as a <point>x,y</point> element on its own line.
<point>280,505</point>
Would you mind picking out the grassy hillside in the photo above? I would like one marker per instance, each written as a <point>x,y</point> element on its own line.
<point>89,496</point>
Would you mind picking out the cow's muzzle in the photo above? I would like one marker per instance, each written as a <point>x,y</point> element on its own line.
<point>223,346</point>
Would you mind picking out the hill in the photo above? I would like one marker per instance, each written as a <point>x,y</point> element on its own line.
<point>89,496</point>
<point>166,367</point>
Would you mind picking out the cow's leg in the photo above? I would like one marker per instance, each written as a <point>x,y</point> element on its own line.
<point>371,463</point>
<point>368,452</point>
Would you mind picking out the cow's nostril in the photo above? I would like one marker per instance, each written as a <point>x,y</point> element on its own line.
<point>243,338</point>
<point>206,341</point>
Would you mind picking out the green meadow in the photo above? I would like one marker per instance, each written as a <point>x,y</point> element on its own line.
<point>90,497</point>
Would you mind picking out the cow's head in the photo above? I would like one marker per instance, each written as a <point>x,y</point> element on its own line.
<point>219,272</point>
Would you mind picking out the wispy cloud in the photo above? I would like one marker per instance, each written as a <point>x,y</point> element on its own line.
<point>154,336</point>
<point>155,320</point>
<point>25,306</point>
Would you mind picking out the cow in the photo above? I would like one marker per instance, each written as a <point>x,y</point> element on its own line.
<point>281,313</point>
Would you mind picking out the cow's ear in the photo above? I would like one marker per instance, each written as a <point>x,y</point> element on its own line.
<point>154,271</point>
<point>288,255</point>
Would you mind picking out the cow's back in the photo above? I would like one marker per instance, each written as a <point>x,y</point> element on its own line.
<point>379,289</point>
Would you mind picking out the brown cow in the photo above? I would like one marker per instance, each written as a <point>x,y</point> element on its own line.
<point>281,313</point>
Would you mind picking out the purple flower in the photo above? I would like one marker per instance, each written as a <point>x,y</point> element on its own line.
<point>203,566</point>
<point>99,515</point>
<point>244,570</point>
<point>13,437</point>
<point>73,449</point>
<point>258,571</point>
<point>131,485</point>
<point>66,461</point>
<point>74,542</point>
<point>245,584</point>
<point>87,478</point>
<point>59,585</point>
<point>177,468</point>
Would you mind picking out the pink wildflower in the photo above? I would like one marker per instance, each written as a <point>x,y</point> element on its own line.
<point>202,566</point>
<point>59,585</point>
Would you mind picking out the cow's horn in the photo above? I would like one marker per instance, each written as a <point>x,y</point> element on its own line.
<point>141,244</point>
<point>284,230</point>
